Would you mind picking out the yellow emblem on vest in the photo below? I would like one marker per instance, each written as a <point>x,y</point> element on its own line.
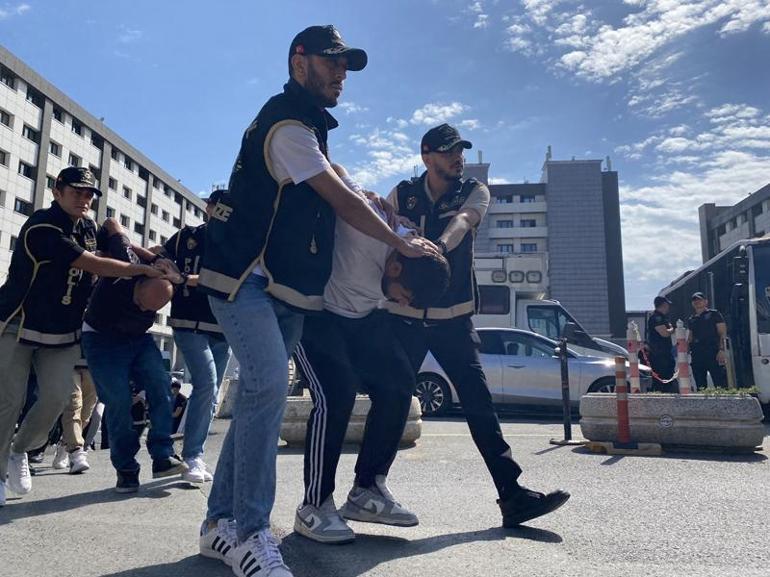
<point>411,202</point>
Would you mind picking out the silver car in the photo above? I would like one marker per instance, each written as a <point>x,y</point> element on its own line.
<point>523,369</point>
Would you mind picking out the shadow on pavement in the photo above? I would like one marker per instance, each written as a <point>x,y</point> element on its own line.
<point>21,507</point>
<point>308,558</point>
<point>187,567</point>
<point>683,454</point>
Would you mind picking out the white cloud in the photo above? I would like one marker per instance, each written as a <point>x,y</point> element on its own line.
<point>388,153</point>
<point>437,113</point>
<point>482,21</point>
<point>399,122</point>
<point>470,124</point>
<point>17,10</point>
<point>351,107</point>
<point>129,35</point>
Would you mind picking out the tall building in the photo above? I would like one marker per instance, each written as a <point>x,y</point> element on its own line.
<point>573,216</point>
<point>721,226</point>
<point>43,131</point>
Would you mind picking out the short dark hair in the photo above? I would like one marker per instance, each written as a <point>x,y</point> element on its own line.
<point>427,278</point>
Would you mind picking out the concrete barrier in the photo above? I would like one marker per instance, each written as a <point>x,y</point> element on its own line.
<point>227,394</point>
<point>725,422</point>
<point>294,424</point>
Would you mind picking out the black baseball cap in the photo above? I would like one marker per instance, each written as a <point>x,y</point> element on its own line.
<point>326,41</point>
<point>661,301</point>
<point>442,138</point>
<point>697,296</point>
<point>215,196</point>
<point>77,177</point>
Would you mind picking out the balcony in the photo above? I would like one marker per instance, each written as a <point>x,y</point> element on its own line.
<point>517,207</point>
<point>518,232</point>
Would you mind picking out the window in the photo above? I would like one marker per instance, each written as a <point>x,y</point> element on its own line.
<point>505,248</point>
<point>5,118</point>
<point>505,199</point>
<point>128,163</point>
<point>177,223</point>
<point>22,207</point>
<point>125,221</point>
<point>30,133</point>
<point>547,321</point>
<point>528,247</point>
<point>163,239</point>
<point>528,223</point>
<point>138,228</point>
<point>96,140</point>
<point>55,149</point>
<point>113,184</point>
<point>12,246</point>
<point>4,156</point>
<point>157,184</point>
<point>77,127</point>
<point>178,198</point>
<point>7,77</point>
<point>188,207</point>
<point>35,97</point>
<point>50,182</point>
<point>518,345</point>
<point>494,300</point>
<point>110,212</point>
<point>153,234</point>
<point>115,154</point>
<point>126,192</point>
<point>490,343</point>
<point>527,198</point>
<point>58,114</point>
<point>141,200</point>
<point>154,208</point>
<point>2,197</point>
<point>721,229</point>
<point>26,169</point>
<point>165,216</point>
<point>168,192</point>
<point>756,210</point>
<point>504,224</point>
<point>75,160</point>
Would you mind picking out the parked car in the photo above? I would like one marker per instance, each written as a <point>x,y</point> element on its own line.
<point>522,369</point>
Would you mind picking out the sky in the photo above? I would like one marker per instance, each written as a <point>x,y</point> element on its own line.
<point>676,92</point>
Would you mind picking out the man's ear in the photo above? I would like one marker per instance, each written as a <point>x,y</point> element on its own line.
<point>393,268</point>
<point>298,65</point>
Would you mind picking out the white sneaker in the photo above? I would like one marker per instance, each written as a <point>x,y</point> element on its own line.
<point>2,493</point>
<point>195,471</point>
<point>376,504</point>
<point>19,478</point>
<point>219,542</point>
<point>78,461</point>
<point>323,524</point>
<point>60,457</point>
<point>259,556</point>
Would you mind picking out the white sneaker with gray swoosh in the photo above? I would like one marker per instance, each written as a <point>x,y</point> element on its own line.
<point>323,524</point>
<point>376,504</point>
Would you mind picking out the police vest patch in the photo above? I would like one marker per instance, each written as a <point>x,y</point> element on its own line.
<point>411,202</point>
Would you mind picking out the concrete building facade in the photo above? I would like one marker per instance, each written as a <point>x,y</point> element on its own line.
<point>43,131</point>
<point>573,216</point>
<point>721,226</point>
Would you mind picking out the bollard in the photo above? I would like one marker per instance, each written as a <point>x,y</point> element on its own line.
<point>683,365</point>
<point>565,398</point>
<point>621,392</point>
<point>633,341</point>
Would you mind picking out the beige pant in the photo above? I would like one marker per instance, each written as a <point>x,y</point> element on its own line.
<point>53,367</point>
<point>79,409</point>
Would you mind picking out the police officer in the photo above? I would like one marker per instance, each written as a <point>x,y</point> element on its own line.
<point>41,310</point>
<point>199,336</point>
<point>708,341</point>
<point>268,256</point>
<point>448,209</point>
<point>659,346</point>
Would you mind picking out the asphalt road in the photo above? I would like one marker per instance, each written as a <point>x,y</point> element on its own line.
<point>686,514</point>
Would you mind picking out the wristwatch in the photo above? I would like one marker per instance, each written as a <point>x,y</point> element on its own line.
<point>441,246</point>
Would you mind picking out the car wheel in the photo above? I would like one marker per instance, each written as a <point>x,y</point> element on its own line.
<point>605,385</point>
<point>433,393</point>
<point>295,379</point>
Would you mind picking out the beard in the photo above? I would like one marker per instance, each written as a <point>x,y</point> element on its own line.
<point>451,174</point>
<point>316,86</point>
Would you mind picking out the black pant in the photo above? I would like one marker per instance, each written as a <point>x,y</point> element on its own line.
<point>454,344</point>
<point>340,356</point>
<point>703,362</point>
<point>663,365</point>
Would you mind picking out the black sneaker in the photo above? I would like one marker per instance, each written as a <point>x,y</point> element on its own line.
<point>128,482</point>
<point>167,467</point>
<point>524,505</point>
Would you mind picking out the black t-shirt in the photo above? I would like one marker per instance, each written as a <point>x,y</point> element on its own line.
<point>112,308</point>
<point>656,342</point>
<point>703,327</point>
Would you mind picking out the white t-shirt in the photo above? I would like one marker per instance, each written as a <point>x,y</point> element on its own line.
<point>355,287</point>
<point>294,155</point>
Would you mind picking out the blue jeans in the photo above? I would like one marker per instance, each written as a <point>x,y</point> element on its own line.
<point>114,360</point>
<point>206,356</point>
<point>262,332</point>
